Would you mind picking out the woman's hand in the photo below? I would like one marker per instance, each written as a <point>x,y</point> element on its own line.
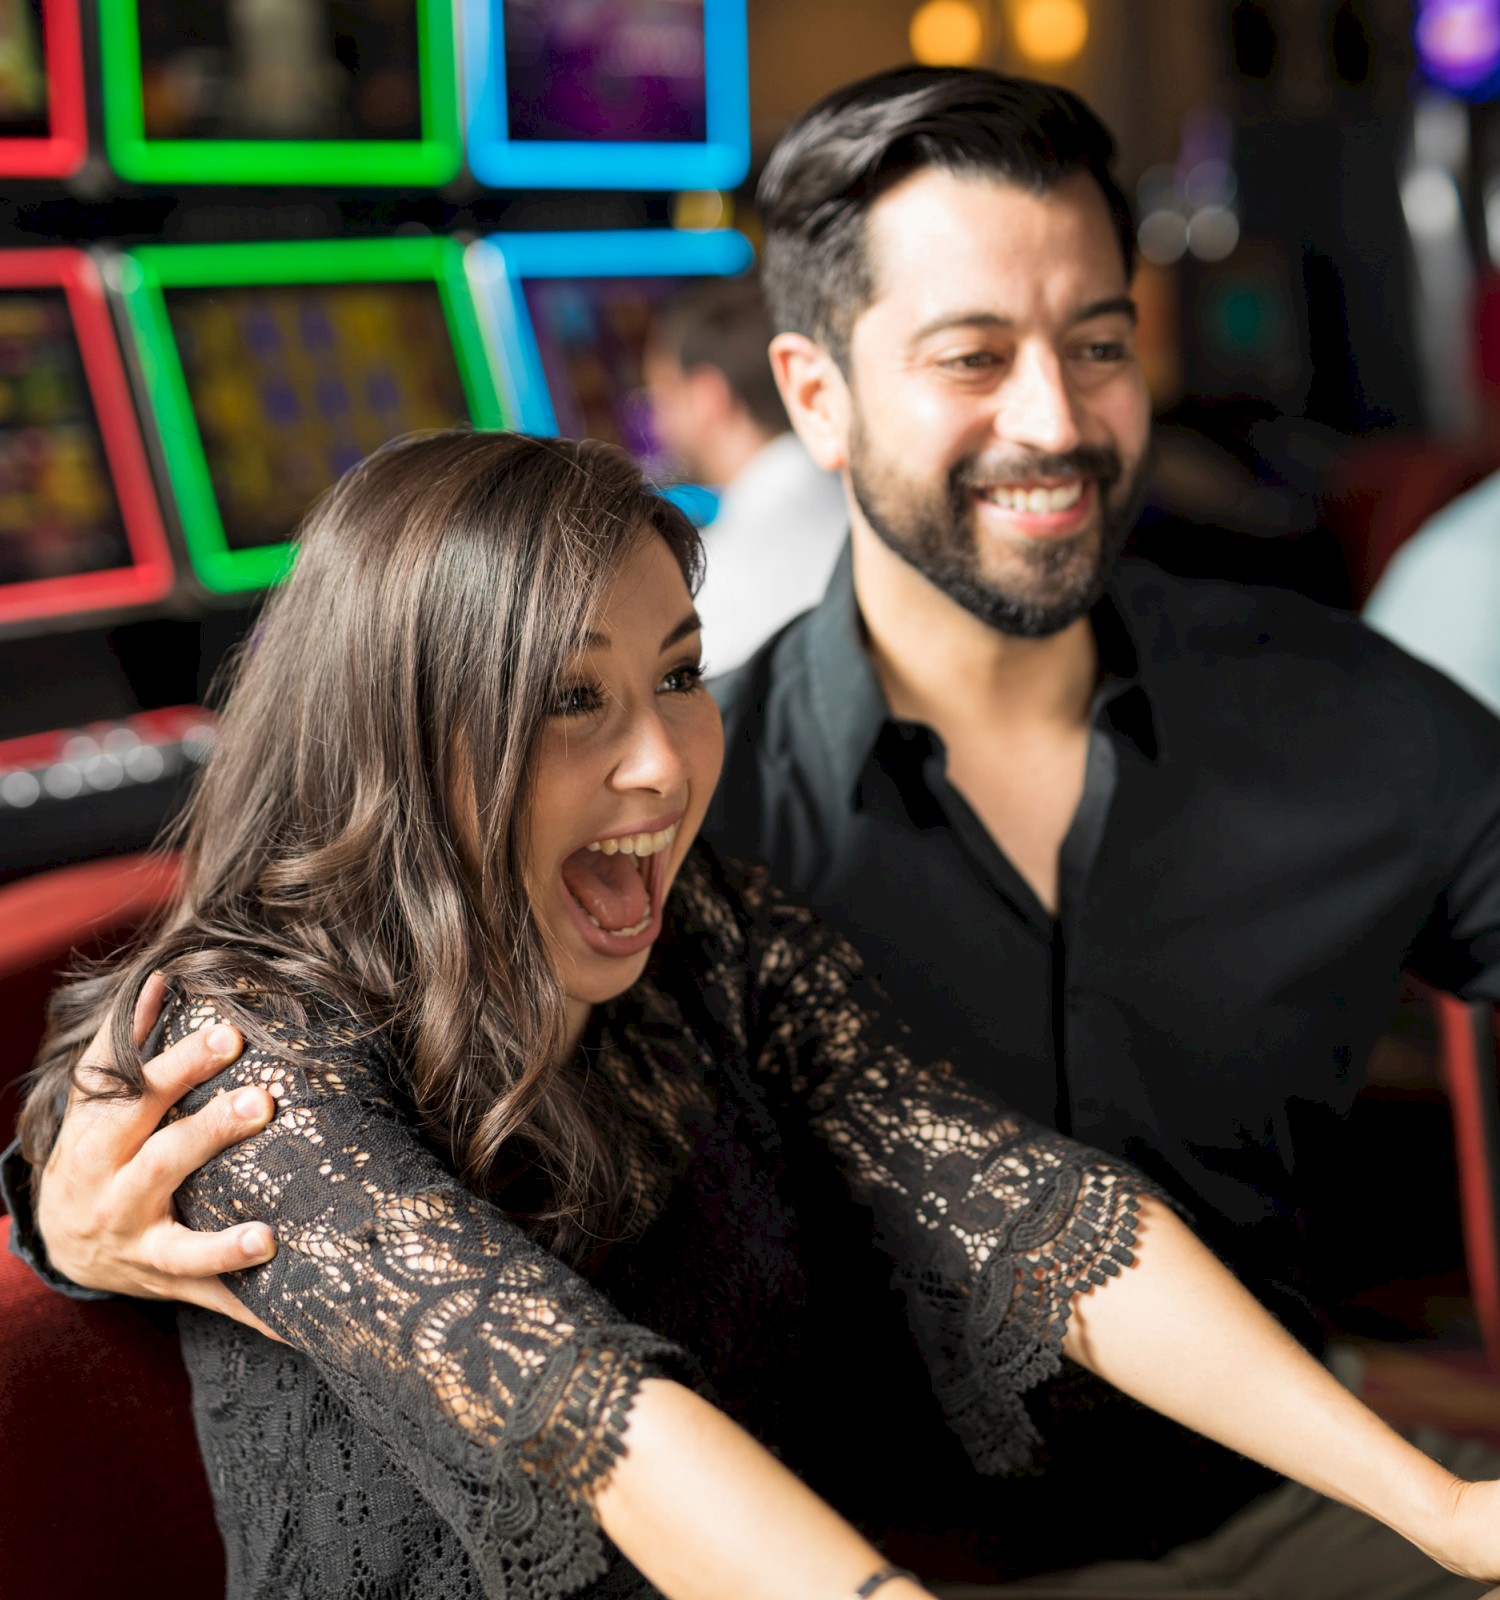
<point>104,1202</point>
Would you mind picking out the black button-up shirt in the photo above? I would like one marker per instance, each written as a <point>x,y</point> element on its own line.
<point>1280,811</point>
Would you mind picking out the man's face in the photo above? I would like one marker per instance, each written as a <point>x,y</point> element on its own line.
<point>998,415</point>
<point>677,410</point>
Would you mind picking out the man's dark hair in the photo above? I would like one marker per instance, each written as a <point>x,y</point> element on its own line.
<point>723,324</point>
<point>837,160</point>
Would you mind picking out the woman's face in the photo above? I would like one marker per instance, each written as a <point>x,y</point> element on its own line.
<point>627,764</point>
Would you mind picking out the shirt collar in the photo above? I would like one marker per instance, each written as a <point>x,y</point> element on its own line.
<point>850,708</point>
<point>848,704</point>
<point>1123,695</point>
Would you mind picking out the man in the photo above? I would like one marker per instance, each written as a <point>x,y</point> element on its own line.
<point>781,520</point>
<point>1440,596</point>
<point>1144,856</point>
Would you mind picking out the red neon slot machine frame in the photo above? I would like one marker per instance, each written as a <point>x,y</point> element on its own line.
<point>61,149</point>
<point>145,575</point>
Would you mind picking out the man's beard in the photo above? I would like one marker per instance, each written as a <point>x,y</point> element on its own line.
<point>936,534</point>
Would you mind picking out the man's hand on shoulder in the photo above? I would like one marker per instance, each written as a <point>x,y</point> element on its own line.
<point>104,1202</point>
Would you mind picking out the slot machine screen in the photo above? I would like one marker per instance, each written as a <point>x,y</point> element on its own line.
<point>606,69</point>
<point>23,71</point>
<point>279,69</point>
<point>281,91</point>
<point>606,94</point>
<point>59,516</point>
<point>570,315</point>
<point>591,336</point>
<point>269,369</point>
<point>291,385</point>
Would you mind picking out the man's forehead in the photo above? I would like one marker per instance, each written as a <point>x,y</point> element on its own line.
<point>935,215</point>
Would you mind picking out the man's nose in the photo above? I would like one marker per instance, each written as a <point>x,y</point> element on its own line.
<point>1037,407</point>
<point>649,757</point>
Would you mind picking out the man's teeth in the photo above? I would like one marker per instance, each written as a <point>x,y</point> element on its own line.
<point>623,933</point>
<point>1036,501</point>
<point>636,844</point>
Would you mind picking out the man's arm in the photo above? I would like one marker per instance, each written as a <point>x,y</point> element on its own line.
<point>103,1204</point>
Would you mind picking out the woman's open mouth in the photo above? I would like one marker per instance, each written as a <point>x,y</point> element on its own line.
<point>615,888</point>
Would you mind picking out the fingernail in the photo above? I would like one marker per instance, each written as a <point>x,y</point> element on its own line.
<point>222,1042</point>
<point>247,1103</point>
<point>256,1243</point>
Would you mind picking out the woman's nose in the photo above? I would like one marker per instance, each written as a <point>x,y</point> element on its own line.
<point>650,757</point>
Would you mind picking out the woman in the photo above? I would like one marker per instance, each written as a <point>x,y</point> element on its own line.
<point>542,1133</point>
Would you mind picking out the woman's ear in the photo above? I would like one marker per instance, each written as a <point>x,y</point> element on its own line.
<point>816,397</point>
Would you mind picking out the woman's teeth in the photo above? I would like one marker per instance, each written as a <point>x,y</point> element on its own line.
<point>636,844</point>
<point>1036,501</point>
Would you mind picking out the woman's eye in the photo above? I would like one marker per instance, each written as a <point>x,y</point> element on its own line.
<point>683,679</point>
<point>577,700</point>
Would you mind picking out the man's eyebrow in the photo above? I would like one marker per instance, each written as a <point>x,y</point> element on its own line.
<point>1118,305</point>
<point>691,623</point>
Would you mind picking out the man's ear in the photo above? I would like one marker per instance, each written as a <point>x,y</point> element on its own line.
<point>816,397</point>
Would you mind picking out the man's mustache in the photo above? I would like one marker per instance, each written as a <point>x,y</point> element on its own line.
<point>1015,469</point>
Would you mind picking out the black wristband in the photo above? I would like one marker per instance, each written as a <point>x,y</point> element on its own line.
<point>879,1576</point>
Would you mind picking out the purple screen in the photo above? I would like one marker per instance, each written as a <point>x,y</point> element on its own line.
<point>591,333</point>
<point>623,70</point>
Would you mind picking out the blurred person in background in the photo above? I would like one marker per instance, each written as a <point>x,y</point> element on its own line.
<point>1439,597</point>
<point>781,520</point>
<point>1143,855</point>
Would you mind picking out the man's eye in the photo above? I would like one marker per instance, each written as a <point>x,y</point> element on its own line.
<point>972,361</point>
<point>1105,350</point>
<point>577,700</point>
<point>683,679</point>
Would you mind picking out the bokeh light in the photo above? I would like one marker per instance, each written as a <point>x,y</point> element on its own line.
<point>947,33</point>
<point>1050,32</point>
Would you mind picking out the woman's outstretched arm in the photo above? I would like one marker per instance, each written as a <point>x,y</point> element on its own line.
<point>1180,1333</point>
<point>1016,1247</point>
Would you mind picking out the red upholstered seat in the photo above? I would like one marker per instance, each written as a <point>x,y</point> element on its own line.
<point>44,921</point>
<point>102,1489</point>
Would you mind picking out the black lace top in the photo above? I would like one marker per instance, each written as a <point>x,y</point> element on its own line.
<point>449,1392</point>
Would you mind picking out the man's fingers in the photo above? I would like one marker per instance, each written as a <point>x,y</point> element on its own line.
<point>190,1258</point>
<point>108,1133</point>
<point>213,1296</point>
<point>189,1062</point>
<point>176,1151</point>
<point>148,1007</point>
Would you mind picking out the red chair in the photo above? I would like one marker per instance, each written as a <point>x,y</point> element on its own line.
<point>1467,1034</point>
<point>101,1480</point>
<point>45,921</point>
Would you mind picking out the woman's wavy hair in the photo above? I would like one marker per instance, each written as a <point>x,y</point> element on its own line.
<point>413,656</point>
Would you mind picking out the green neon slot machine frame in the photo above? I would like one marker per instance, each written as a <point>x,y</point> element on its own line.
<point>146,276</point>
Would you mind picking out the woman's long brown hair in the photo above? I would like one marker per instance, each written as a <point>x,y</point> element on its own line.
<point>414,655</point>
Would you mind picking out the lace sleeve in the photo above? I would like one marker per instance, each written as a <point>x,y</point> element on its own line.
<point>993,1223</point>
<point>498,1378</point>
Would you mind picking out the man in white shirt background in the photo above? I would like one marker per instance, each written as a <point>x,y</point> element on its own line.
<point>1440,596</point>
<point>781,520</point>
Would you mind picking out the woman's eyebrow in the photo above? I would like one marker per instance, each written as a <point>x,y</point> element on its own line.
<point>689,624</point>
